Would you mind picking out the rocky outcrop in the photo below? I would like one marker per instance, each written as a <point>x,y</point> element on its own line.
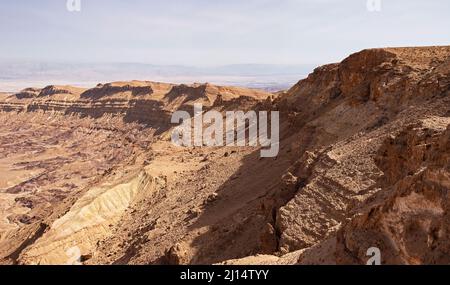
<point>143,102</point>
<point>89,220</point>
<point>53,90</point>
<point>109,89</point>
<point>28,93</point>
<point>369,144</point>
<point>409,219</point>
<point>349,109</point>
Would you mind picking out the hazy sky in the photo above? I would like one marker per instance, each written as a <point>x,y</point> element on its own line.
<point>214,32</point>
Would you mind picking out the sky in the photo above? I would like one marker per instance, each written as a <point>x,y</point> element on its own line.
<point>214,32</point>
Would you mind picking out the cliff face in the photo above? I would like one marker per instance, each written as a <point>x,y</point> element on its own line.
<point>409,219</point>
<point>371,161</point>
<point>340,115</point>
<point>363,162</point>
<point>148,103</point>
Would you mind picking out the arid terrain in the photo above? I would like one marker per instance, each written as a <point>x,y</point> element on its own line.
<point>91,176</point>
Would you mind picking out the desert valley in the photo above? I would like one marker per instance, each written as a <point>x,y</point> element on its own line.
<point>90,175</point>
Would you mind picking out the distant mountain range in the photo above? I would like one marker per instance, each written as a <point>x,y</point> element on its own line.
<point>16,76</point>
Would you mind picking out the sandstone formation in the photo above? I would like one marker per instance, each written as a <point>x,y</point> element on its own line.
<point>364,162</point>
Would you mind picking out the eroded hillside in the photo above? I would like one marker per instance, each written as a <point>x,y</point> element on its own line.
<point>363,163</point>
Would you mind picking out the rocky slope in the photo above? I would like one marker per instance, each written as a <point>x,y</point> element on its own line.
<point>363,162</point>
<point>376,171</point>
